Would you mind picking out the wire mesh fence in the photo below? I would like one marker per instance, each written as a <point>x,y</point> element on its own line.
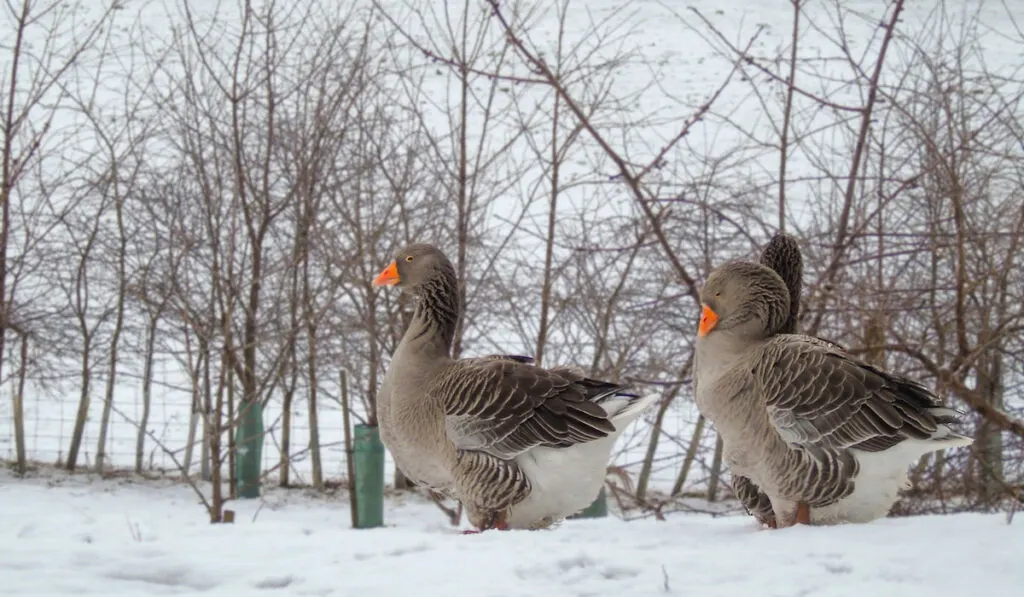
<point>666,460</point>
<point>49,420</point>
<point>162,445</point>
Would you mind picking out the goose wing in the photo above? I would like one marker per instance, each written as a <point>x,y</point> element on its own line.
<point>505,407</point>
<point>816,394</point>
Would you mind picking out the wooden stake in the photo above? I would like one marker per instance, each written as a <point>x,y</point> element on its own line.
<point>349,462</point>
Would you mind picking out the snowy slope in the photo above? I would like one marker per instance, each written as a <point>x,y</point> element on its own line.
<point>75,536</point>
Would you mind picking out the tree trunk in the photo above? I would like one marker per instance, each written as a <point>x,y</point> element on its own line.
<point>229,416</point>
<point>286,436</point>
<point>989,439</point>
<point>9,168</point>
<point>691,455</point>
<point>206,412</point>
<point>215,429</point>
<point>147,399</point>
<point>83,404</point>
<point>874,338</point>
<point>716,471</point>
<point>314,415</point>
<point>115,338</point>
<point>549,244</point>
<point>19,410</point>
<point>292,360</point>
<point>652,448</point>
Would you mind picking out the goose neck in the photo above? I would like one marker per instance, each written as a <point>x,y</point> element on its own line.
<point>435,317</point>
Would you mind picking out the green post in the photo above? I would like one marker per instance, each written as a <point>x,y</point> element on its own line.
<point>249,444</point>
<point>368,453</point>
<point>597,509</point>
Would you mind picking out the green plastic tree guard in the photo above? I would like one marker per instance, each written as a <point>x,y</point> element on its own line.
<point>597,509</point>
<point>249,446</point>
<point>368,454</point>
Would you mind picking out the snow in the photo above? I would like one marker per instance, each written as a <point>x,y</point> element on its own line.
<point>81,535</point>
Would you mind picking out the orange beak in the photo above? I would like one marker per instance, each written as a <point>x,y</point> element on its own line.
<point>708,319</point>
<point>388,277</point>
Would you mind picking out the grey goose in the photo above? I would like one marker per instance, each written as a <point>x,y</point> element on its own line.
<point>781,254</point>
<point>826,437</point>
<point>521,446</point>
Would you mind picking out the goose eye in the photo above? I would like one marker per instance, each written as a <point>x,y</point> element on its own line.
<point>408,257</point>
<point>718,294</point>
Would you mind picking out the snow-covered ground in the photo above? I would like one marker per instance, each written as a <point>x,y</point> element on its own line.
<point>83,536</point>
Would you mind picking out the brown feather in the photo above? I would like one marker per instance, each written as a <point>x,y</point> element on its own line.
<point>504,407</point>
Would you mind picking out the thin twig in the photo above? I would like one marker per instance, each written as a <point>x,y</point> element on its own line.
<point>258,508</point>
<point>170,454</point>
<point>625,172</point>
<point>842,238</point>
<point>744,55</point>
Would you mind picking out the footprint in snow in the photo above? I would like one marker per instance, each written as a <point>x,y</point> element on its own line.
<point>582,564</point>
<point>401,551</point>
<point>169,576</point>
<point>275,582</point>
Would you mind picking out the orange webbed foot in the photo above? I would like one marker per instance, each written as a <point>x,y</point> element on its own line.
<point>803,513</point>
<point>500,522</point>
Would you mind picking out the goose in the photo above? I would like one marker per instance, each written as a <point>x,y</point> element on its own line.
<point>521,446</point>
<point>781,254</point>
<point>826,437</point>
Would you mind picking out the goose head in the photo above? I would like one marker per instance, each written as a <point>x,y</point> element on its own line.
<point>746,300</point>
<point>416,267</point>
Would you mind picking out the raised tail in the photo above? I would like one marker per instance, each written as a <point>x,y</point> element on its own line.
<point>945,417</point>
<point>622,405</point>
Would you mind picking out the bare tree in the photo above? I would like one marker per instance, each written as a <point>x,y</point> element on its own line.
<point>121,131</point>
<point>32,89</point>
